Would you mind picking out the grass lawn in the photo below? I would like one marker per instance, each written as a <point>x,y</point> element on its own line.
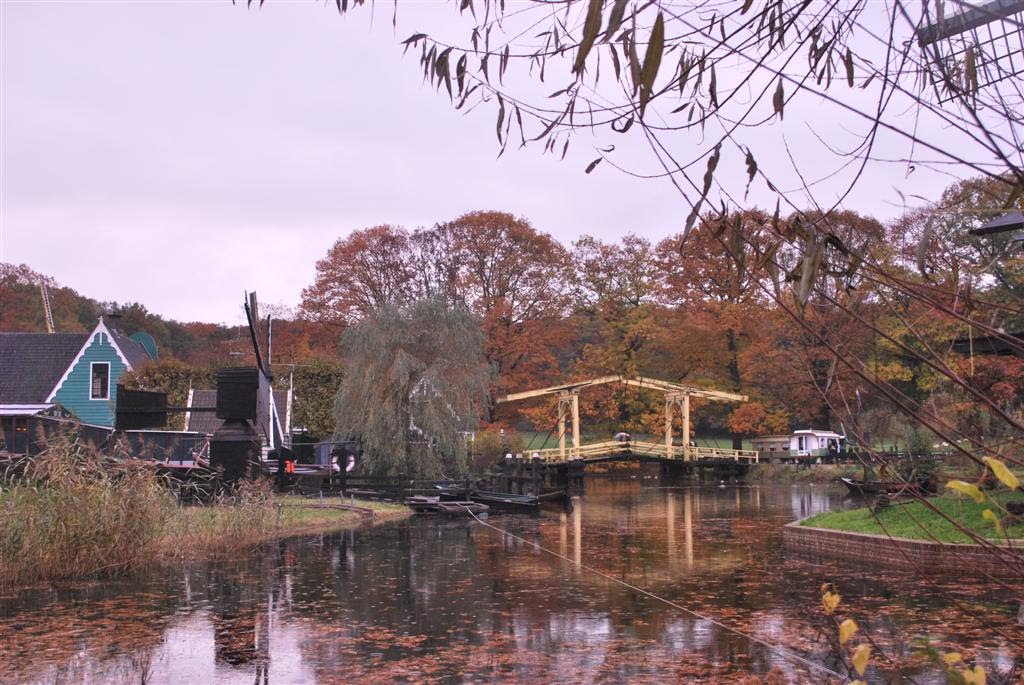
<point>197,531</point>
<point>303,514</point>
<point>915,520</point>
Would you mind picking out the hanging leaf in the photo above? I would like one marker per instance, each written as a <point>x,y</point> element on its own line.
<point>592,165</point>
<point>847,629</point>
<point>591,27</point>
<point>709,177</point>
<point>634,59</point>
<point>713,88</point>
<point>652,60</point>
<point>751,168</point>
<point>615,62</point>
<point>848,60</point>
<point>501,117</point>
<point>413,40</point>
<point>968,489</point>
<point>779,100</point>
<point>860,658</point>
<point>615,19</point>
<point>814,251</point>
<point>1004,474</point>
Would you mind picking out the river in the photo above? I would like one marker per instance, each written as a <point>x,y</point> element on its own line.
<point>562,597</point>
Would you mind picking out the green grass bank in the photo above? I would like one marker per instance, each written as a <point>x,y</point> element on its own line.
<point>917,521</point>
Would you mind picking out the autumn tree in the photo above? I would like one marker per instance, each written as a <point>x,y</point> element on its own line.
<point>614,288</point>
<point>21,303</point>
<point>515,278</point>
<point>367,270</point>
<point>416,382</point>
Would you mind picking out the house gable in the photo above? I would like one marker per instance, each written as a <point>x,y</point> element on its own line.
<point>73,391</point>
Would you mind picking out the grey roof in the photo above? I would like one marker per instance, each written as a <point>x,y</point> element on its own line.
<point>32,363</point>
<point>207,421</point>
<point>133,351</point>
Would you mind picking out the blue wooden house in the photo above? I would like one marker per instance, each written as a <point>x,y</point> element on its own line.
<point>75,372</point>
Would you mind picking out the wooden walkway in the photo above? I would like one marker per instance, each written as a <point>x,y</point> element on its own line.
<point>616,450</point>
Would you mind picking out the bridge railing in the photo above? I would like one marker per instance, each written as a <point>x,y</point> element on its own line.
<point>650,449</point>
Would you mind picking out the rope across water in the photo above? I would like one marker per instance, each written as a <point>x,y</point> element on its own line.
<point>782,651</point>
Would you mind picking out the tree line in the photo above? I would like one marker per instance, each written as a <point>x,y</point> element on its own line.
<point>844,323</point>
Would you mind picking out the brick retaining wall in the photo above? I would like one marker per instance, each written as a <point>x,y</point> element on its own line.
<point>915,555</point>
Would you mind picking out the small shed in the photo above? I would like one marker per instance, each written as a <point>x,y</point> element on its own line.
<point>771,447</point>
<point>815,443</point>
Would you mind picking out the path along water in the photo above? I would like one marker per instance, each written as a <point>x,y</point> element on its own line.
<point>432,600</point>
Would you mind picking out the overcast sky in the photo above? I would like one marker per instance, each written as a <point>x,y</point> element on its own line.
<point>179,153</point>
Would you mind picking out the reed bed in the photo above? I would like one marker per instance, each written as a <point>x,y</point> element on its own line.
<point>72,513</point>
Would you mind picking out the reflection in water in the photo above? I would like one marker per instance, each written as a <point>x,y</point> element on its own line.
<point>430,600</point>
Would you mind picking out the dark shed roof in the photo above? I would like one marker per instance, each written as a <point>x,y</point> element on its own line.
<point>32,363</point>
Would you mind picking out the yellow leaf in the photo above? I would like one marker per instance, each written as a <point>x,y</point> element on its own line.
<point>847,629</point>
<point>857,682</point>
<point>830,600</point>
<point>951,658</point>
<point>968,489</point>
<point>860,658</point>
<point>990,515</point>
<point>974,676</point>
<point>1004,474</point>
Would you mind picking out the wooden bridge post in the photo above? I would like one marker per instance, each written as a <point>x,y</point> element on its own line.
<point>576,423</point>
<point>562,399</point>
<point>669,402</point>
<point>686,427</point>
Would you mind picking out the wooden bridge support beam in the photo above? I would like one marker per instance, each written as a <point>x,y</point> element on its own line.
<point>683,402</point>
<point>569,403</point>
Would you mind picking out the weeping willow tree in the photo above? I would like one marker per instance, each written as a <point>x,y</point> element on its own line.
<point>416,381</point>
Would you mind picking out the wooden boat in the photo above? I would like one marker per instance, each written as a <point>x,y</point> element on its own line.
<point>874,487</point>
<point>425,504</point>
<point>461,508</point>
<point>506,500</point>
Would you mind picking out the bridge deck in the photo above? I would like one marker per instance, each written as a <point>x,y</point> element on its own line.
<point>638,449</point>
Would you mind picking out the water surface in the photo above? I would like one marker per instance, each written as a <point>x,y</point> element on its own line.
<point>453,601</point>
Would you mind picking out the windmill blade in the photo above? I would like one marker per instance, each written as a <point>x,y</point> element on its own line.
<point>250,307</point>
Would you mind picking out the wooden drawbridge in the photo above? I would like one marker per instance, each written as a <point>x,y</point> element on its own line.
<point>677,398</point>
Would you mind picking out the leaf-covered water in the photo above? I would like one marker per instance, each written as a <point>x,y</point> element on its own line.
<point>434,600</point>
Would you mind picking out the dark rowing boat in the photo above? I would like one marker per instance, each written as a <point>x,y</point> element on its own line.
<point>874,487</point>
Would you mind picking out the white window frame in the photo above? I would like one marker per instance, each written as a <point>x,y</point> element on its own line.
<point>92,365</point>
